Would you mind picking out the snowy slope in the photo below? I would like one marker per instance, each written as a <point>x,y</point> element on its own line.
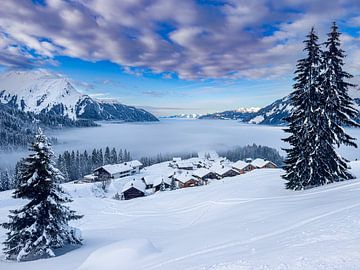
<point>245,222</point>
<point>41,91</point>
<point>38,91</point>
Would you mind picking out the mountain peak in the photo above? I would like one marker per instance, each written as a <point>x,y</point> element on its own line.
<point>42,91</point>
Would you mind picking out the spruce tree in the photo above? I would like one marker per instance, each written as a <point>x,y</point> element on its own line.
<point>337,104</point>
<point>107,156</point>
<point>305,165</point>
<point>41,226</point>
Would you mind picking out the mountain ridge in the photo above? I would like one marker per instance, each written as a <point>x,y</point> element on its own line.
<point>44,92</point>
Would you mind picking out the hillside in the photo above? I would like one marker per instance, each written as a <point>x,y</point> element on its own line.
<point>44,92</point>
<point>272,114</point>
<point>17,128</point>
<point>245,222</point>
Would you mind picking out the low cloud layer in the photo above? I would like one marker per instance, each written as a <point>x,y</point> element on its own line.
<point>192,39</point>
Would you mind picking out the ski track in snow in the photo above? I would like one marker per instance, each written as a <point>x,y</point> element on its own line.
<point>230,201</point>
<point>251,240</point>
<point>247,222</point>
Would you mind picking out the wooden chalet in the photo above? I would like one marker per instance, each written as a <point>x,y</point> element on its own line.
<point>113,171</point>
<point>185,180</point>
<point>161,180</point>
<point>243,167</point>
<point>185,165</point>
<point>260,163</point>
<point>133,189</point>
<point>204,175</point>
<point>225,171</point>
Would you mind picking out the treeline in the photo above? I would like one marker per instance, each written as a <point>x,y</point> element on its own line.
<point>17,128</point>
<point>75,164</point>
<point>253,151</point>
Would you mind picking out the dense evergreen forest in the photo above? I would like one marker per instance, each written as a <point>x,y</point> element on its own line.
<point>17,128</point>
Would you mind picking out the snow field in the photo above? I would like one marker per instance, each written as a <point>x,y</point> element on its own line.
<point>244,222</point>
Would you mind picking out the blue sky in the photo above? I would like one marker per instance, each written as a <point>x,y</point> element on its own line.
<point>173,56</point>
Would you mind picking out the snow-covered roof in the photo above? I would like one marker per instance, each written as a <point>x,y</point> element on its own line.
<point>159,179</point>
<point>89,176</point>
<point>184,177</point>
<point>184,164</point>
<point>134,163</point>
<point>116,168</point>
<point>201,172</point>
<point>240,165</point>
<point>259,162</point>
<point>220,170</point>
<point>122,167</point>
<point>136,183</point>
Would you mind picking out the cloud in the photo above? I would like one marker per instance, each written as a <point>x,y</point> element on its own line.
<point>192,39</point>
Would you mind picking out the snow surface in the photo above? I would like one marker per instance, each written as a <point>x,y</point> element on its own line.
<point>40,90</point>
<point>244,222</point>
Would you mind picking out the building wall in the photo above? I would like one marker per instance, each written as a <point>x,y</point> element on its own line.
<point>132,193</point>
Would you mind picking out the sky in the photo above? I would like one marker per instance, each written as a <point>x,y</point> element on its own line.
<point>171,56</point>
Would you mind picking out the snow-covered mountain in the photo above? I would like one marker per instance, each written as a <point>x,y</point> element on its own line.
<point>275,113</point>
<point>184,116</point>
<point>243,115</point>
<point>272,114</point>
<point>41,91</point>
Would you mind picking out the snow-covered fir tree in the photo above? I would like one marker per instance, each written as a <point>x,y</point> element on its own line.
<point>162,185</point>
<point>321,106</point>
<point>306,164</point>
<point>337,104</point>
<point>41,226</point>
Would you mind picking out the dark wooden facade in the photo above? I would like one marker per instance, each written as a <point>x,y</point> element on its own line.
<point>132,193</point>
<point>229,173</point>
<point>157,187</point>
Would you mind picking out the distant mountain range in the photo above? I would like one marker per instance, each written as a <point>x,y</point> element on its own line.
<point>47,93</point>
<point>272,114</point>
<point>184,116</point>
<point>242,114</point>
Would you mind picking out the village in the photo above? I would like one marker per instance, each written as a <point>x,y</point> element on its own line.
<point>139,181</point>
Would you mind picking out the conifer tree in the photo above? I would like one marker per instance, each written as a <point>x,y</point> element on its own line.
<point>337,104</point>
<point>321,105</point>
<point>107,156</point>
<point>114,157</point>
<point>38,228</point>
<point>305,160</point>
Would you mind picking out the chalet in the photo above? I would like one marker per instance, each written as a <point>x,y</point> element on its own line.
<point>149,181</point>
<point>113,171</point>
<point>133,189</point>
<point>185,165</point>
<point>262,164</point>
<point>184,180</point>
<point>243,167</point>
<point>204,175</point>
<point>225,171</point>
<point>161,181</point>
